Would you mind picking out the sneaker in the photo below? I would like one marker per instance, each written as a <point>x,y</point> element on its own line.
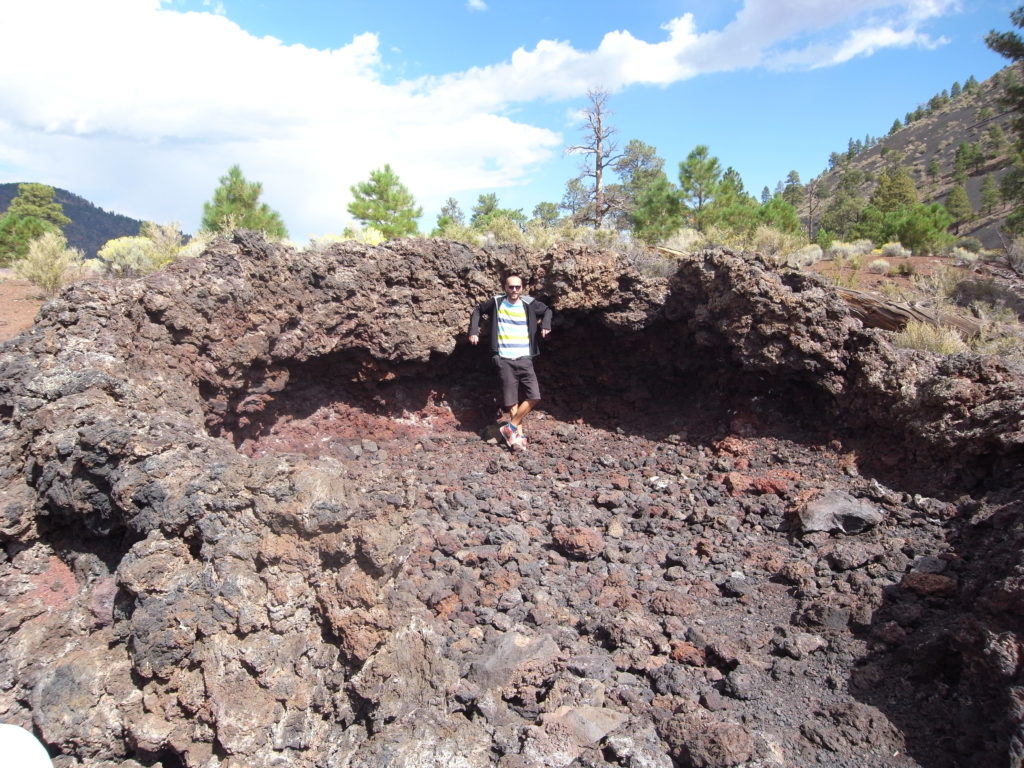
<point>518,444</point>
<point>509,432</point>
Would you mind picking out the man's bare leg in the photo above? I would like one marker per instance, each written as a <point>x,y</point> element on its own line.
<point>519,411</point>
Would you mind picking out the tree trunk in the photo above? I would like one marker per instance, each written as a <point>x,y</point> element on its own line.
<point>875,312</point>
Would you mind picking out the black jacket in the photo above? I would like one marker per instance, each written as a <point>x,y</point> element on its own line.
<point>535,309</point>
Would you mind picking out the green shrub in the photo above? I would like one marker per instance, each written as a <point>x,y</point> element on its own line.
<point>166,239</point>
<point>49,264</point>
<point>195,246</point>
<point>369,235</point>
<point>824,238</point>
<point>129,256</point>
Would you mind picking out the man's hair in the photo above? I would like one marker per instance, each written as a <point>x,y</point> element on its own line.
<point>510,275</point>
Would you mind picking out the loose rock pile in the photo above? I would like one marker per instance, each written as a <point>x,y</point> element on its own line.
<point>254,514</point>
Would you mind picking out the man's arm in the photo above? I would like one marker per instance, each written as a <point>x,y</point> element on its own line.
<point>545,319</point>
<point>474,322</point>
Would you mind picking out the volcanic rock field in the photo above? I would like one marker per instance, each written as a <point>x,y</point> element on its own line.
<point>254,511</point>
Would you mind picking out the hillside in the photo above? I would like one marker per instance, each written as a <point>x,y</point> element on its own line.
<point>936,136</point>
<point>90,226</point>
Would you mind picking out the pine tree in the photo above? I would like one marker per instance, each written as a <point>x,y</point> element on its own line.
<point>1011,45</point>
<point>732,208</point>
<point>636,168</point>
<point>658,213</point>
<point>699,175</point>
<point>450,217</point>
<point>779,214</point>
<point>384,203</point>
<point>959,206</point>
<point>486,204</point>
<point>995,141</point>
<point>576,201</point>
<point>546,213</point>
<point>895,190</point>
<point>845,204</point>
<point>794,191</point>
<point>30,214</point>
<point>925,229</point>
<point>896,125</point>
<point>990,195</point>
<point>236,205</point>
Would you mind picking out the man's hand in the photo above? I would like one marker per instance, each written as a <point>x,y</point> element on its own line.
<point>544,332</point>
<point>473,339</point>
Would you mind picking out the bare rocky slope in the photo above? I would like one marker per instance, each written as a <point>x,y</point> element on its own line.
<point>251,516</point>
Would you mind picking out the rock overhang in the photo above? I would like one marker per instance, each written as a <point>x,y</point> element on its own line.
<point>125,406</point>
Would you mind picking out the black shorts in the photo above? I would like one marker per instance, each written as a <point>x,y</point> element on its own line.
<point>516,373</point>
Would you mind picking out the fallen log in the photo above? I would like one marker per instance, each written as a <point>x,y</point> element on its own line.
<point>876,312</point>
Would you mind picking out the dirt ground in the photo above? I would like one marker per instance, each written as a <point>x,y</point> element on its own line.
<point>902,271</point>
<point>19,302</point>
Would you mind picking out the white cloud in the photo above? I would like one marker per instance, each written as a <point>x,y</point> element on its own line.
<point>143,107</point>
<point>476,5</point>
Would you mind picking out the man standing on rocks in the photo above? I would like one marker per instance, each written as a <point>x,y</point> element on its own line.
<point>515,322</point>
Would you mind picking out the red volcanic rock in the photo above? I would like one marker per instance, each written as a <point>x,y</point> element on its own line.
<point>582,543</point>
<point>930,584</point>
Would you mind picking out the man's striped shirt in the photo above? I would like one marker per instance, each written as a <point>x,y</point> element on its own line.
<point>513,334</point>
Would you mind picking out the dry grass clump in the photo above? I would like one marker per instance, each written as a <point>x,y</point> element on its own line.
<point>878,267</point>
<point>895,251</point>
<point>941,282</point>
<point>964,258</point>
<point>686,240</point>
<point>929,338</point>
<point>1002,333</point>
<point>1014,258</point>
<point>805,257</point>
<point>767,241</point>
<point>840,251</point>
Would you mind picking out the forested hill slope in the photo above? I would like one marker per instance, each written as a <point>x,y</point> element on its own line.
<point>90,226</point>
<point>926,143</point>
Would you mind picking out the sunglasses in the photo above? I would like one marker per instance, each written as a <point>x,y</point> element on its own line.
<point>513,287</point>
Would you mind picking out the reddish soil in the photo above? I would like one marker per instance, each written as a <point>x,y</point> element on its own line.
<point>865,280</point>
<point>19,302</point>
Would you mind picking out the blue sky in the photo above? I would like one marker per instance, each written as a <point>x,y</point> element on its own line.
<point>141,105</point>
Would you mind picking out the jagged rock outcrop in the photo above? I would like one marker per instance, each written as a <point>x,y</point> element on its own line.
<point>248,519</point>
